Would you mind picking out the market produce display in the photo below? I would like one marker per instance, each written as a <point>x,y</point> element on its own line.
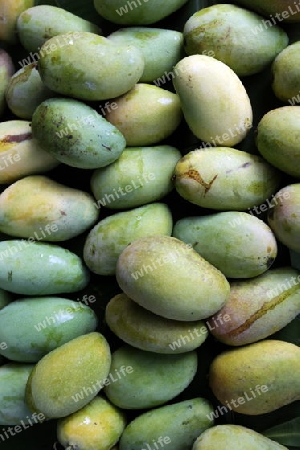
<point>149,225</point>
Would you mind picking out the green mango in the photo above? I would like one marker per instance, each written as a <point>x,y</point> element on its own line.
<point>138,12</point>
<point>161,48</point>
<point>277,139</point>
<point>32,327</point>
<point>69,377</point>
<point>178,424</point>
<point>111,235</point>
<point>235,36</point>
<point>170,279</point>
<point>225,179</point>
<point>75,134</point>
<point>10,12</point>
<point>89,67</point>
<point>238,244</point>
<point>141,175</point>
<point>37,268</point>
<point>143,380</point>
<point>283,10</point>
<point>142,329</point>
<point>42,22</point>
<point>285,71</point>
<point>6,72</point>
<point>37,207</point>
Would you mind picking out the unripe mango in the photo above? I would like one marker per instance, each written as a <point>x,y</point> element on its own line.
<point>10,12</point>
<point>285,71</point>
<point>6,71</point>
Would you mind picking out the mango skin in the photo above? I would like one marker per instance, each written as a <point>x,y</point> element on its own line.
<point>238,244</point>
<point>21,326</point>
<point>147,331</point>
<point>284,217</point>
<point>11,11</point>
<point>285,8</point>
<point>170,279</point>
<point>143,14</point>
<point>206,87</point>
<point>271,363</point>
<point>6,72</point>
<point>111,235</point>
<point>234,437</point>
<point>153,379</point>
<point>75,134</point>
<point>39,23</point>
<point>225,179</point>
<point>86,66</point>
<point>97,425</point>
<point>13,379</point>
<point>285,71</point>
<point>20,268</point>
<point>258,307</point>
<point>65,372</point>
<point>229,32</point>
<point>181,423</point>
<point>141,175</point>
<point>161,48</point>
<point>37,207</point>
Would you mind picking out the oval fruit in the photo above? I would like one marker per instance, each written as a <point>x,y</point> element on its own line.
<point>285,71</point>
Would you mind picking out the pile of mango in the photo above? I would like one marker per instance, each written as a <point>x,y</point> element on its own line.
<point>150,223</point>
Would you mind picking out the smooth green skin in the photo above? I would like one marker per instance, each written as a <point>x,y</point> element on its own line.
<point>5,298</point>
<point>32,327</point>
<point>38,268</point>
<point>272,363</point>
<point>144,13</point>
<point>65,372</point>
<point>141,175</point>
<point>154,378</point>
<point>11,11</point>
<point>285,8</point>
<point>6,71</point>
<point>111,235</point>
<point>225,179</point>
<point>286,74</point>
<point>97,426</point>
<point>161,48</point>
<point>75,134</point>
<point>234,437</point>
<point>181,422</point>
<point>170,279</point>
<point>86,66</point>
<point>277,139</point>
<point>25,91</point>
<point>13,379</point>
<point>38,24</point>
<point>147,331</point>
<point>238,244</point>
<point>234,36</point>
<point>39,208</point>
<point>284,217</point>
<point>258,307</point>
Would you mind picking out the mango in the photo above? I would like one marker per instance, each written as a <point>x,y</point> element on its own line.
<point>283,10</point>
<point>6,72</point>
<point>234,437</point>
<point>161,48</point>
<point>277,139</point>
<point>149,379</point>
<point>257,308</point>
<point>225,179</point>
<point>141,175</point>
<point>32,327</point>
<point>172,426</point>
<point>86,66</point>
<point>20,153</point>
<point>37,207</point>
<point>97,425</point>
<point>235,36</point>
<point>13,379</point>
<point>284,216</point>
<point>10,12</point>
<point>146,126</point>
<point>238,244</point>
<point>138,12</point>
<point>42,22</point>
<point>147,331</point>
<point>69,377</point>
<point>25,91</point>
<point>21,262</point>
<point>205,87</point>
<point>111,235</point>
<point>257,378</point>
<point>285,71</point>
